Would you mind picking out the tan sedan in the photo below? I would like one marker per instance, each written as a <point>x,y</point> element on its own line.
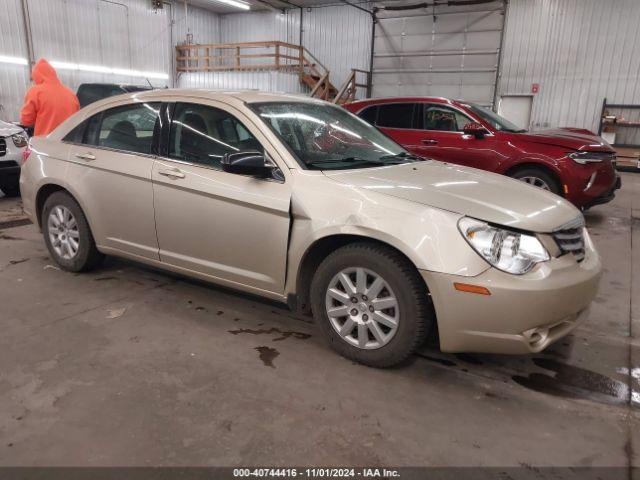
<point>300,201</point>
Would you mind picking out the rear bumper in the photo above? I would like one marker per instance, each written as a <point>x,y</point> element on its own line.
<point>523,314</point>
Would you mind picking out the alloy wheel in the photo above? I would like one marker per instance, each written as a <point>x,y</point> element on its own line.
<point>362,308</point>
<point>63,232</point>
<point>536,182</point>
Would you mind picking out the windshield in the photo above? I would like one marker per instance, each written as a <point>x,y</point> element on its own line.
<point>327,137</point>
<point>495,120</point>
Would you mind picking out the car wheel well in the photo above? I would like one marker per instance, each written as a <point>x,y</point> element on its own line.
<point>316,253</point>
<point>45,192</point>
<point>537,166</point>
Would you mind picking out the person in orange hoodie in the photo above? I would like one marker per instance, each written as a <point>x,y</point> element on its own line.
<point>48,103</point>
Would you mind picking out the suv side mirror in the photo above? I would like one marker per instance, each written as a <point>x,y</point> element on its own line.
<point>475,129</point>
<point>246,163</point>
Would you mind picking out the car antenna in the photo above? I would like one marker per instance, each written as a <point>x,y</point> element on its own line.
<point>150,84</point>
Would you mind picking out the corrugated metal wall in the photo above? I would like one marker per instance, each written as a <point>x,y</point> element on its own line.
<point>340,37</point>
<point>578,51</point>
<point>202,24</point>
<point>13,78</point>
<point>112,34</point>
<point>128,35</point>
<point>261,26</point>
<point>266,81</point>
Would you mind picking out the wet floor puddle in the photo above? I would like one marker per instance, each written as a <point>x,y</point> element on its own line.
<point>267,355</point>
<point>575,382</point>
<point>281,334</point>
<point>562,380</point>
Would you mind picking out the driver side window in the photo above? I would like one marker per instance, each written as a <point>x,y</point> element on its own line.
<point>444,119</point>
<point>202,134</point>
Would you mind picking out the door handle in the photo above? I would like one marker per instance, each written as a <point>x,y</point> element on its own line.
<point>430,141</point>
<point>174,173</point>
<point>86,156</point>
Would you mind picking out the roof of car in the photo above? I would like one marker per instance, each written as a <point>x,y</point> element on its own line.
<point>247,96</point>
<point>373,101</point>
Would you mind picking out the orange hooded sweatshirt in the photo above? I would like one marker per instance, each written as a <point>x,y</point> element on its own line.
<point>48,103</point>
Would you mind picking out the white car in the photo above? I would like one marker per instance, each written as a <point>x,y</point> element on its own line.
<point>13,140</point>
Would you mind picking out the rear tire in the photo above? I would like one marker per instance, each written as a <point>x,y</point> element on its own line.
<point>67,234</point>
<point>537,177</point>
<point>363,330</point>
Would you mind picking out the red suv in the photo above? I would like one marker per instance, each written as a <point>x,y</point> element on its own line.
<point>571,162</point>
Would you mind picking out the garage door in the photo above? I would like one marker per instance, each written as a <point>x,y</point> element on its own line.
<point>443,51</point>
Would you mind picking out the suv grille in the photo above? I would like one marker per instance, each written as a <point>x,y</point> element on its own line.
<point>571,240</point>
<point>3,147</point>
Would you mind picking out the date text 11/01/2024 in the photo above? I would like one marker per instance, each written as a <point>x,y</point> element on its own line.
<point>315,473</point>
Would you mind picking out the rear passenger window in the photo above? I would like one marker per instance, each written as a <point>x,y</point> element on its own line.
<point>202,134</point>
<point>369,114</point>
<point>89,93</point>
<point>76,135</point>
<point>395,115</point>
<point>128,128</point>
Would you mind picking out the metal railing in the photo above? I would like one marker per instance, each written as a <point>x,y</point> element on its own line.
<point>348,90</point>
<point>269,55</point>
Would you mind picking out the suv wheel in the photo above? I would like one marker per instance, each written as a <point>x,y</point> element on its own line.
<point>371,304</point>
<point>537,178</point>
<point>67,234</point>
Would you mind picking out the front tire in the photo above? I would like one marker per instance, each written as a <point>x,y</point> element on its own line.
<point>67,234</point>
<point>537,177</point>
<point>371,304</point>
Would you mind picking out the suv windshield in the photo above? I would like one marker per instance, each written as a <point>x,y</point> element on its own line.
<point>327,137</point>
<point>495,120</point>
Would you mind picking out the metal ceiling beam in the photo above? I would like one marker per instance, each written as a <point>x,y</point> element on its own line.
<point>290,3</point>
<point>269,6</point>
<point>346,2</point>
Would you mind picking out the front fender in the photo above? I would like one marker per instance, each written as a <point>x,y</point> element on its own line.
<point>430,240</point>
<point>529,159</point>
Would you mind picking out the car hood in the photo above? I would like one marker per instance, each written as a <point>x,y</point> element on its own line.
<point>467,191</point>
<point>7,129</point>
<point>574,139</point>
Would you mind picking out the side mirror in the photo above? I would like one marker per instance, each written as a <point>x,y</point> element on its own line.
<point>246,163</point>
<point>475,129</point>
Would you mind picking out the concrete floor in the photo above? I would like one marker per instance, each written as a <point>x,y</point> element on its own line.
<point>130,366</point>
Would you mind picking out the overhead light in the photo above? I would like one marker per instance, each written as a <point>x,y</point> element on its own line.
<point>14,60</point>
<point>108,70</point>
<point>234,3</point>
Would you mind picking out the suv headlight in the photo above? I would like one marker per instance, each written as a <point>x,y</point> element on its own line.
<point>20,139</point>
<point>590,157</point>
<point>506,250</point>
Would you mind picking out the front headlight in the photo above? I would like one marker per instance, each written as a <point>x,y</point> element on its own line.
<point>590,157</point>
<point>20,139</point>
<point>506,250</point>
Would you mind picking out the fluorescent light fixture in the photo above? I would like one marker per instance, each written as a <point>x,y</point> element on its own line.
<point>234,3</point>
<point>14,60</point>
<point>107,70</point>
